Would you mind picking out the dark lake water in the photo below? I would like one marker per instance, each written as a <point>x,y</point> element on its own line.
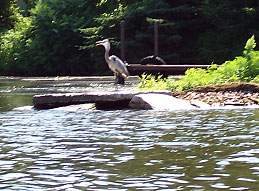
<point>66,149</point>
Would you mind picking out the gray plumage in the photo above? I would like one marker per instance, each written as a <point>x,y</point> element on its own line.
<point>115,63</point>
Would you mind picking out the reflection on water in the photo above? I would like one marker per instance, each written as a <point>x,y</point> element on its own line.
<point>129,150</point>
<point>8,101</point>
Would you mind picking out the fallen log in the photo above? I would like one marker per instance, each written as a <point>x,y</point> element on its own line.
<point>138,69</point>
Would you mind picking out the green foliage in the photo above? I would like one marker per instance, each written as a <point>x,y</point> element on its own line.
<point>47,42</point>
<point>250,44</point>
<point>149,82</point>
<point>256,79</point>
<point>5,13</point>
<point>57,37</point>
<point>242,69</point>
<point>15,43</point>
<point>229,24</point>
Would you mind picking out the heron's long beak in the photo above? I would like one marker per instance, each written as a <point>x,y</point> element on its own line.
<point>98,43</point>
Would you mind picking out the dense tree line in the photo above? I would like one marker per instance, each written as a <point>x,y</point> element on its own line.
<point>57,37</point>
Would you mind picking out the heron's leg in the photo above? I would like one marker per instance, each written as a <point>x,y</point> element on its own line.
<point>116,78</point>
<point>116,82</point>
<point>119,79</point>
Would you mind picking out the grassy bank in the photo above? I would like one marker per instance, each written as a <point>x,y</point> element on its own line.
<point>243,69</point>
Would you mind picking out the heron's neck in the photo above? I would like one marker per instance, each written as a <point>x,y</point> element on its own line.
<point>107,51</point>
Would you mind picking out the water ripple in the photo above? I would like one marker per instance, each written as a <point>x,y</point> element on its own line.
<point>129,150</point>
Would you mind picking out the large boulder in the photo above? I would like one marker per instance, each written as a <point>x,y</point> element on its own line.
<point>158,101</point>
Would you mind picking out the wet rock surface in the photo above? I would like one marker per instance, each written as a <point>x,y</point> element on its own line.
<point>102,100</point>
<point>159,102</point>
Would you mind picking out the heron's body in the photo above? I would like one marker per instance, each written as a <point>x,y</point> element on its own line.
<point>115,63</point>
<point>117,66</point>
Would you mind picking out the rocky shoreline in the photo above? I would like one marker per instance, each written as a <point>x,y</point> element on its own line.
<point>226,96</point>
<point>240,94</point>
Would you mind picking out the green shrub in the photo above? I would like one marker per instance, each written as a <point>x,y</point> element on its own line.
<point>14,43</point>
<point>149,82</point>
<point>256,79</point>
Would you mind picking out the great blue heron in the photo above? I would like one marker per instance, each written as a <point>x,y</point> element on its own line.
<point>117,66</point>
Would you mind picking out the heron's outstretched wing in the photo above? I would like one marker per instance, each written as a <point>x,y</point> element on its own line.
<point>118,66</point>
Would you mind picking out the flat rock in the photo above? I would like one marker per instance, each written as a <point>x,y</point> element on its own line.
<point>158,101</point>
<point>102,100</point>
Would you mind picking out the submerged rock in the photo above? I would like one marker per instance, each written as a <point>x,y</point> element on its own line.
<point>159,102</point>
<point>75,108</point>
